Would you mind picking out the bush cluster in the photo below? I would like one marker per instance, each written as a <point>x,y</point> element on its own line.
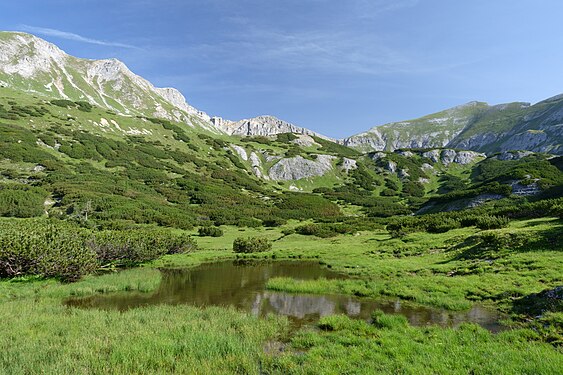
<point>325,230</point>
<point>210,232</point>
<point>445,221</point>
<point>44,249</point>
<point>491,222</point>
<point>251,245</point>
<point>21,201</point>
<point>128,248</point>
<point>59,249</point>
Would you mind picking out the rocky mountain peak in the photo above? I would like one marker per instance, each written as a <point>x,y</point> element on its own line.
<point>265,125</point>
<point>25,54</point>
<point>30,63</point>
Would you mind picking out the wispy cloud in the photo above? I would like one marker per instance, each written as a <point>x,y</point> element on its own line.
<point>259,48</point>
<point>72,36</point>
<point>374,8</point>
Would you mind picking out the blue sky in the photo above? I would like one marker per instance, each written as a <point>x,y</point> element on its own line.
<point>338,67</point>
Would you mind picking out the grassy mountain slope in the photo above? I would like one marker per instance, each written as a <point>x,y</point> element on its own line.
<point>474,126</point>
<point>31,64</point>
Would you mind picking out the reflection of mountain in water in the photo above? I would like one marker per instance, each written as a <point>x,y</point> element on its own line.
<point>243,286</point>
<point>300,306</point>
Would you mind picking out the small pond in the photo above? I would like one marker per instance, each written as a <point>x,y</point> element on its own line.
<point>244,286</point>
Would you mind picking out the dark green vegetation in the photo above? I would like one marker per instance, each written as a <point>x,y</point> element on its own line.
<point>66,251</point>
<point>84,192</point>
<point>251,245</point>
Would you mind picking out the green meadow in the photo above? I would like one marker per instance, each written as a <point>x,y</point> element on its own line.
<point>42,335</point>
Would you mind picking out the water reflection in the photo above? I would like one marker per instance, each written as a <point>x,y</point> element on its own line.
<point>243,286</point>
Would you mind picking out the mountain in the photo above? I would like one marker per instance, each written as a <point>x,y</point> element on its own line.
<point>474,126</point>
<point>31,64</point>
<point>261,126</point>
<point>90,141</point>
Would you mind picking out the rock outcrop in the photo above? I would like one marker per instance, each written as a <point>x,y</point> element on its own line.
<point>448,156</point>
<point>298,167</point>
<point>261,126</point>
<point>256,164</point>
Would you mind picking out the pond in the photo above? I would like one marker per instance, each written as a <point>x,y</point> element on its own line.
<point>244,287</point>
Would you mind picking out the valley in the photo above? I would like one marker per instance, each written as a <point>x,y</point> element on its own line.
<point>109,185</point>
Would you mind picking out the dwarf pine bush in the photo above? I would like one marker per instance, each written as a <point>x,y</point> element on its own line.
<point>251,245</point>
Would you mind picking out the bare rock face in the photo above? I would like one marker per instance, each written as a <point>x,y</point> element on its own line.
<point>525,190</point>
<point>391,166</point>
<point>467,157</point>
<point>513,155</point>
<point>240,151</point>
<point>377,155</point>
<point>256,164</point>
<point>297,168</point>
<point>305,140</point>
<point>448,156</point>
<point>262,125</point>
<point>348,164</point>
<point>433,155</point>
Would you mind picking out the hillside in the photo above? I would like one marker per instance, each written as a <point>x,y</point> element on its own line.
<point>474,126</point>
<point>33,65</point>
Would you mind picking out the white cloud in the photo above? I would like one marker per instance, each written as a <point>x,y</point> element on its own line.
<point>72,36</point>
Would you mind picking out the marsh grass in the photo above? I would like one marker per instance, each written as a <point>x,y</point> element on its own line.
<point>46,337</point>
<point>390,346</point>
<point>41,335</point>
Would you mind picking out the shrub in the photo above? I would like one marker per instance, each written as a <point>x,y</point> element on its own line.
<point>499,241</point>
<point>286,137</point>
<point>443,225</point>
<point>491,222</point>
<point>557,210</point>
<point>249,222</point>
<point>63,103</point>
<point>273,222</point>
<point>34,247</point>
<point>210,232</point>
<point>136,246</point>
<point>305,206</point>
<point>21,202</point>
<point>324,230</point>
<point>251,245</point>
<point>413,189</point>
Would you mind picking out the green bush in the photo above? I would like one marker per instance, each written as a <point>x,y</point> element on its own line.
<point>249,222</point>
<point>127,248</point>
<point>210,232</point>
<point>273,222</point>
<point>498,241</point>
<point>251,245</point>
<point>324,230</point>
<point>63,103</point>
<point>24,202</point>
<point>34,247</point>
<point>286,137</point>
<point>413,189</point>
<point>491,222</point>
<point>443,225</point>
<point>557,210</point>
